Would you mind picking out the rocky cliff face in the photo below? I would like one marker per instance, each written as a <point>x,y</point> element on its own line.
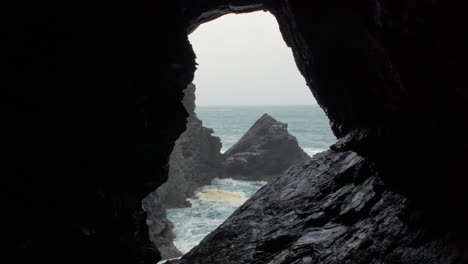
<point>266,151</point>
<point>160,228</point>
<point>333,210</point>
<point>195,160</point>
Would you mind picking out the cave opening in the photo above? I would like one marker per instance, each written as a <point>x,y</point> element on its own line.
<point>248,102</point>
<point>85,98</point>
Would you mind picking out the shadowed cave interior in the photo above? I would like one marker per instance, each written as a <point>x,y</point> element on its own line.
<point>93,108</point>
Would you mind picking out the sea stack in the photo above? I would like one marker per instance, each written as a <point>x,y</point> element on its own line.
<point>266,151</point>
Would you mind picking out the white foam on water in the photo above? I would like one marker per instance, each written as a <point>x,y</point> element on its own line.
<point>212,195</point>
<point>211,206</point>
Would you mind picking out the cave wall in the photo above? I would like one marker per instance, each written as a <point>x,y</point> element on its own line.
<point>391,77</point>
<point>87,135</point>
<point>87,86</point>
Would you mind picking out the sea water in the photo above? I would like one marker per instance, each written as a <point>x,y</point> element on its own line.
<point>308,123</point>
<point>192,224</point>
<point>214,203</point>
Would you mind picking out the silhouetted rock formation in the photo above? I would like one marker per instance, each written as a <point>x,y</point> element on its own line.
<point>333,210</point>
<point>266,151</point>
<point>194,162</point>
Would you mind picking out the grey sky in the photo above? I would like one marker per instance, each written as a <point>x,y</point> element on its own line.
<point>243,60</point>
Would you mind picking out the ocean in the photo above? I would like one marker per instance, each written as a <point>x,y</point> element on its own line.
<point>212,204</point>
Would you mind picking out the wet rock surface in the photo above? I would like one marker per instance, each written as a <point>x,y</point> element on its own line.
<point>334,210</point>
<point>264,152</point>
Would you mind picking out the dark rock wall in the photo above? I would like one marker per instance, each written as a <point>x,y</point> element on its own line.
<point>86,86</point>
<point>90,109</point>
<point>391,77</point>
<point>335,209</point>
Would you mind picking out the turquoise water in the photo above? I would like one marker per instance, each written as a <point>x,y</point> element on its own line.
<point>194,223</point>
<point>212,204</point>
<point>308,123</point>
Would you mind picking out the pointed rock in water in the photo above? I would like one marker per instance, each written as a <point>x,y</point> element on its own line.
<point>266,151</point>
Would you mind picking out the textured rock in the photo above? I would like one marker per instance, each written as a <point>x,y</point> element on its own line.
<point>264,152</point>
<point>92,108</point>
<point>160,228</point>
<point>195,160</point>
<point>368,67</point>
<point>333,210</point>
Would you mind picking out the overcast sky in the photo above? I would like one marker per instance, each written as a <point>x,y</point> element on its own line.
<point>243,60</point>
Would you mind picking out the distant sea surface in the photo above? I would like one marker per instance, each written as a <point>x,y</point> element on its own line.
<point>308,123</point>
<point>213,204</point>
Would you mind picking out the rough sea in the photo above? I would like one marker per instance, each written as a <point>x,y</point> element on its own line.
<point>212,204</point>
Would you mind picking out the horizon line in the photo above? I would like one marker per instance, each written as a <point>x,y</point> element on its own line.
<point>226,105</point>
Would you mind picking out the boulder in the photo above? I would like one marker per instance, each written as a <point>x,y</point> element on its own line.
<point>266,151</point>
